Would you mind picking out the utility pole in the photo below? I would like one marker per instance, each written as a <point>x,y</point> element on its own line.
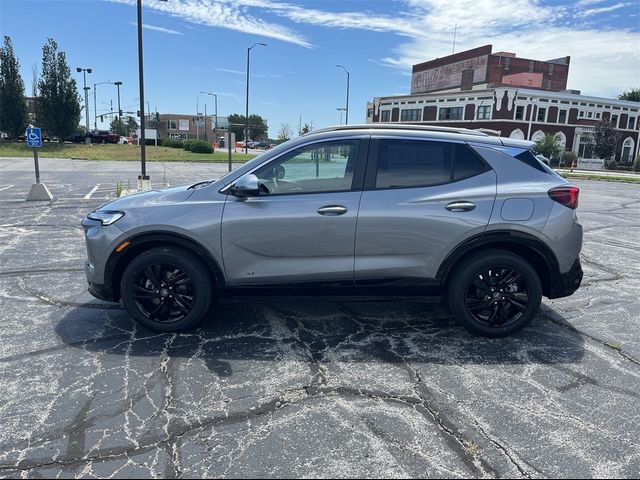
<point>246,117</point>
<point>346,121</point>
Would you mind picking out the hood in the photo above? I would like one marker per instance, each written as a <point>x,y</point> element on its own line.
<point>152,197</point>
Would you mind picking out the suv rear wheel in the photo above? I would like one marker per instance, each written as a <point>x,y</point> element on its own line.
<point>494,293</point>
<point>166,289</point>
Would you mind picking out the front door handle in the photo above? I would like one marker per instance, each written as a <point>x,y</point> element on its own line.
<point>460,206</point>
<point>332,210</point>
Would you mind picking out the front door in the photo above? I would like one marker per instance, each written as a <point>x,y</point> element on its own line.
<point>301,227</point>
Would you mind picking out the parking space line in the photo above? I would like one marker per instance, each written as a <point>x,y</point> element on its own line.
<point>88,195</point>
<point>6,188</point>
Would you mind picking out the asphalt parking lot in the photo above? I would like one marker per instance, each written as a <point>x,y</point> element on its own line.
<point>312,389</point>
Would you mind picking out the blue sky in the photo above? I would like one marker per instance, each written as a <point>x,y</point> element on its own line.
<point>200,45</point>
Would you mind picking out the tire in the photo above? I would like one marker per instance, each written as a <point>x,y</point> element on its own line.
<point>494,293</point>
<point>167,289</point>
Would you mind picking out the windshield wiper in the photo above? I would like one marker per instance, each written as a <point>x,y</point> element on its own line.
<point>200,183</point>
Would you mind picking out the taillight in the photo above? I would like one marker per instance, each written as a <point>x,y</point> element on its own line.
<point>567,196</point>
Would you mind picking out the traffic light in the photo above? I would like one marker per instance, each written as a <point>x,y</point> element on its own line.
<point>157,117</point>
<point>120,113</point>
<point>138,113</point>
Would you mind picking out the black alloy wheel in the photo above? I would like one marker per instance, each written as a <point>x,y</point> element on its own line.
<point>164,293</point>
<point>167,289</point>
<point>494,293</point>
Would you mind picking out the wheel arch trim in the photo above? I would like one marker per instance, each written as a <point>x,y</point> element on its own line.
<point>117,261</point>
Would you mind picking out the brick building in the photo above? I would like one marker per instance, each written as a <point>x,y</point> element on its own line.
<point>184,127</point>
<point>511,97</point>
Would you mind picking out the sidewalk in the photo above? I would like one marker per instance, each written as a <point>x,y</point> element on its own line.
<point>599,173</point>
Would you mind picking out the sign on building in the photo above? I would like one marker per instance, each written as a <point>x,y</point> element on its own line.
<point>448,76</point>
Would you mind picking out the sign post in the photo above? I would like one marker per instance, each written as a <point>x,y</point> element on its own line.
<point>39,191</point>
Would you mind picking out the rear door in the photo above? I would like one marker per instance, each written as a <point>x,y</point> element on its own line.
<point>421,198</point>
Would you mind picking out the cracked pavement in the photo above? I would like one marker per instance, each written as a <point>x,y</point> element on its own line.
<point>277,388</point>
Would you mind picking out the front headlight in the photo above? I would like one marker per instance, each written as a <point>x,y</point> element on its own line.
<point>106,217</point>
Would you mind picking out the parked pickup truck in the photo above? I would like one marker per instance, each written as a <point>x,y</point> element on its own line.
<point>103,136</point>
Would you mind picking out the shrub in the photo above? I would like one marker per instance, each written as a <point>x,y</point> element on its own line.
<point>200,146</point>
<point>171,143</point>
<point>636,165</point>
<point>611,165</point>
<point>568,158</point>
<point>187,144</point>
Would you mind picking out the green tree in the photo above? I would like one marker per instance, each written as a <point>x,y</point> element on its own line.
<point>257,126</point>
<point>605,139</point>
<point>118,127</point>
<point>13,107</point>
<point>132,125</point>
<point>305,129</point>
<point>549,146</point>
<point>632,95</point>
<point>59,106</point>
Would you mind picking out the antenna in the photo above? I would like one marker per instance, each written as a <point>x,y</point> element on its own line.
<point>455,30</point>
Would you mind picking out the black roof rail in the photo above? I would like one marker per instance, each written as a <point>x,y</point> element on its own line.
<point>402,126</point>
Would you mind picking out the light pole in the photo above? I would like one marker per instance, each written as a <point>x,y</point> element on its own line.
<point>95,104</point>
<point>341,109</point>
<point>215,125</point>
<point>86,95</point>
<point>143,179</point>
<point>117,84</point>
<point>346,119</point>
<point>246,117</point>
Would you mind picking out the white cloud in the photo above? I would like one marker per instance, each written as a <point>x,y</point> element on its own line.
<point>610,8</point>
<point>158,29</point>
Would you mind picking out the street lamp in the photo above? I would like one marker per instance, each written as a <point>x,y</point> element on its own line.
<point>143,179</point>
<point>246,117</point>
<point>118,84</point>
<point>95,104</point>
<point>215,125</point>
<point>86,95</point>
<point>346,120</point>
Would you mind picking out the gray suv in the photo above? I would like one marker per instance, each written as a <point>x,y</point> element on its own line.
<point>390,210</point>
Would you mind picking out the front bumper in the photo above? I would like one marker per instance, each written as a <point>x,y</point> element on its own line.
<point>100,291</point>
<point>565,284</point>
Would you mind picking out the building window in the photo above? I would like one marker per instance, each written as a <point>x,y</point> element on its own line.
<point>369,112</point>
<point>450,113</point>
<point>385,115</point>
<point>410,115</point>
<point>585,148</point>
<point>541,114</point>
<point>627,148</point>
<point>520,113</point>
<point>589,114</point>
<point>562,116</point>
<point>172,124</point>
<point>484,112</point>
<point>551,69</point>
<point>507,63</point>
<point>531,66</point>
<point>614,121</point>
<point>597,114</point>
<point>632,122</point>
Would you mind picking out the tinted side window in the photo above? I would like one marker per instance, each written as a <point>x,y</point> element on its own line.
<point>413,163</point>
<point>466,163</point>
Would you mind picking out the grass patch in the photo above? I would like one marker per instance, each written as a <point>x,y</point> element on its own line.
<point>118,152</point>
<point>604,178</point>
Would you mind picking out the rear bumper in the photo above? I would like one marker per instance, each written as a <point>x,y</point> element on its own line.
<point>565,284</point>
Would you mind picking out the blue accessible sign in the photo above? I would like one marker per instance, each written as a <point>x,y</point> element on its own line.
<point>34,137</point>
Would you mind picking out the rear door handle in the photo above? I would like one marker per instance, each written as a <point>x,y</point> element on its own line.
<point>332,210</point>
<point>460,206</point>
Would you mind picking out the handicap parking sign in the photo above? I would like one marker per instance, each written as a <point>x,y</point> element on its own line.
<point>34,137</point>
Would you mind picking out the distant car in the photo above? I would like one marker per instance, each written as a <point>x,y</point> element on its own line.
<point>126,141</point>
<point>75,138</point>
<point>263,145</point>
<point>103,136</point>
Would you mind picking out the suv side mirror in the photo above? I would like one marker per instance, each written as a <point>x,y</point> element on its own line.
<point>246,186</point>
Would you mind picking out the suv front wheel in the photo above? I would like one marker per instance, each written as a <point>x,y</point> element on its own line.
<point>166,289</point>
<point>494,293</point>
